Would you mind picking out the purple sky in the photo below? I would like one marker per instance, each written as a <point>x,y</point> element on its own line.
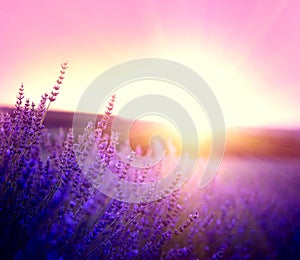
<point>248,51</point>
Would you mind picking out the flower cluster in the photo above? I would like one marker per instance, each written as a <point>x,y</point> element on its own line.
<point>49,209</point>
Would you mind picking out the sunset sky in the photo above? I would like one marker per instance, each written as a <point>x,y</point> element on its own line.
<point>247,51</point>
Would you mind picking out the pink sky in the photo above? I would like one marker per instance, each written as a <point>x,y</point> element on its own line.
<point>248,51</point>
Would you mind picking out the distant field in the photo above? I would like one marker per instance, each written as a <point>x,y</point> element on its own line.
<point>240,141</point>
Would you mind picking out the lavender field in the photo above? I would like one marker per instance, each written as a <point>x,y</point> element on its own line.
<point>51,209</point>
<point>260,199</point>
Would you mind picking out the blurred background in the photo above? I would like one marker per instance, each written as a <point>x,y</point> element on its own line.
<point>248,53</point>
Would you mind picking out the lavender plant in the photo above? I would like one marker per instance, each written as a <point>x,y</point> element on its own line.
<point>50,210</point>
<point>51,207</point>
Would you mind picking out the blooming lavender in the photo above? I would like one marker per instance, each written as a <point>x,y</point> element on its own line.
<point>51,206</point>
<point>49,209</point>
